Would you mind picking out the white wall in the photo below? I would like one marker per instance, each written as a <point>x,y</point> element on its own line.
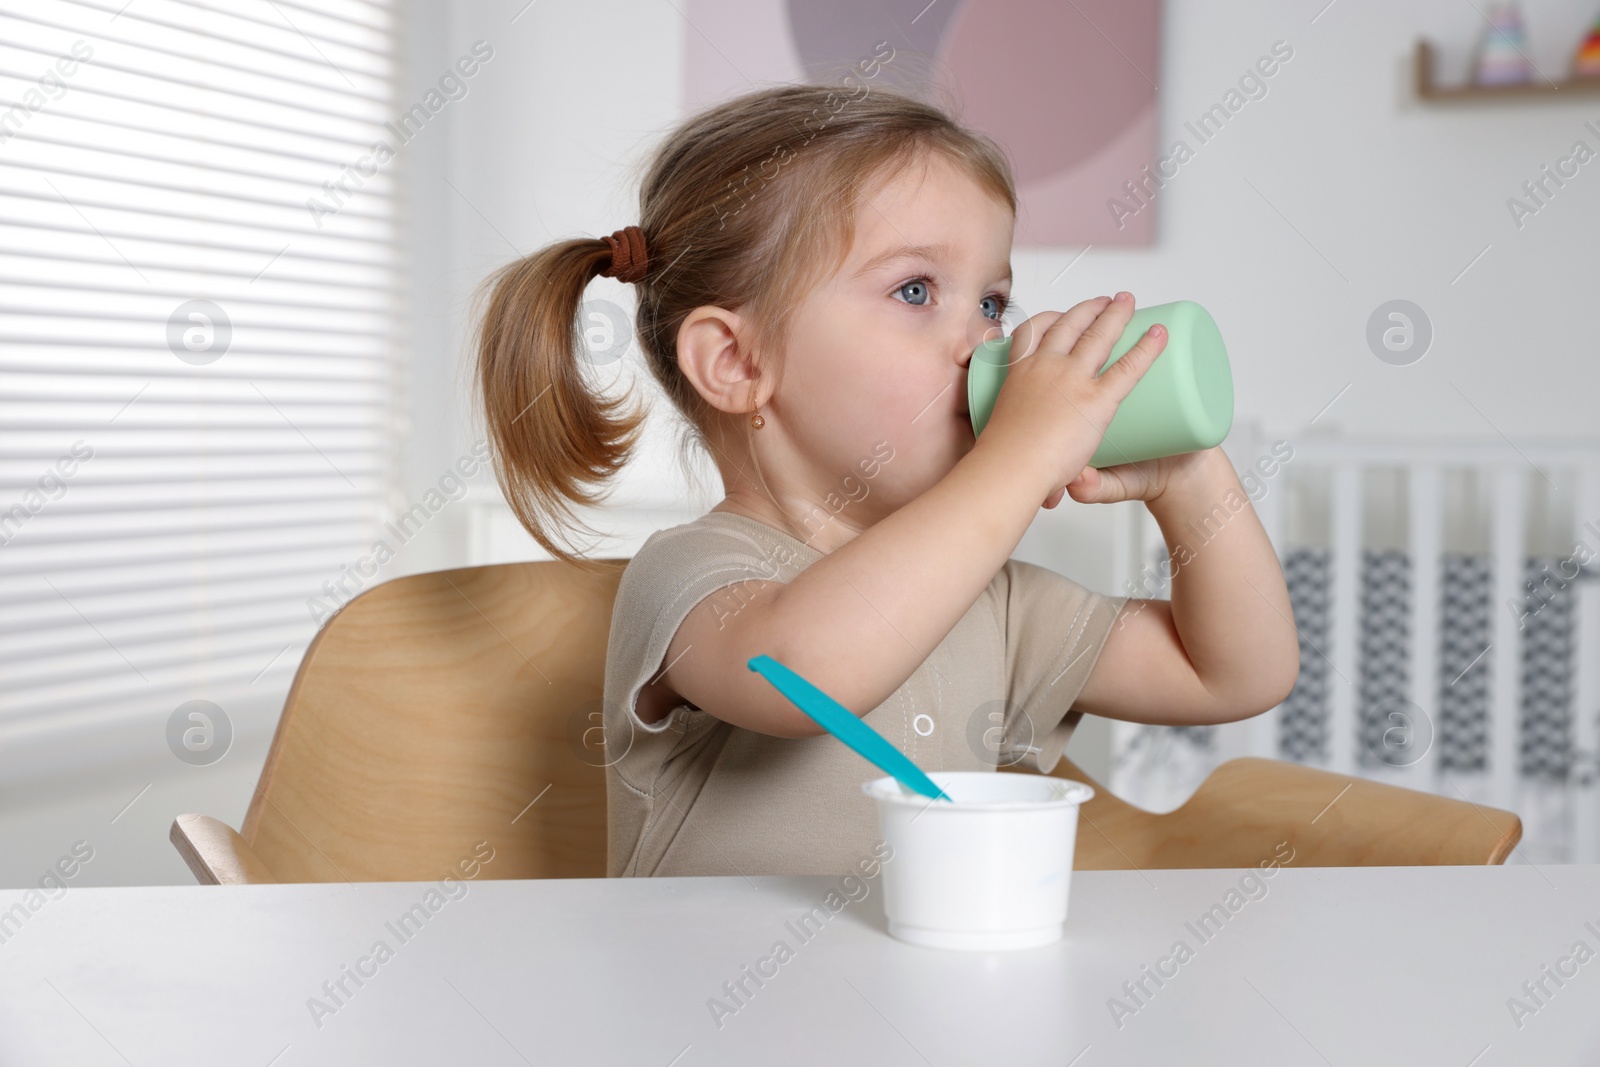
<point>1334,193</point>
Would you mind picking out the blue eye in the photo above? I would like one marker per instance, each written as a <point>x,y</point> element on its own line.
<point>916,283</point>
<point>1000,302</point>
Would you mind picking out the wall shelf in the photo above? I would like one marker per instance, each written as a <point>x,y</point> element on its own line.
<point>1429,89</point>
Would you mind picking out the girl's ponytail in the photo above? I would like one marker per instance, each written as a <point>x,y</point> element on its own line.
<point>747,205</point>
<point>553,438</point>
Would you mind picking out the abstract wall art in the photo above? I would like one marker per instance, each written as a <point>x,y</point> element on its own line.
<point>1069,89</point>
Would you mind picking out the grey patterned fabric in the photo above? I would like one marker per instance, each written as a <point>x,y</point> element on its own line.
<point>1547,672</point>
<point>1303,723</point>
<point>1463,720</point>
<point>1385,683</point>
<point>1457,723</point>
<point>1461,717</point>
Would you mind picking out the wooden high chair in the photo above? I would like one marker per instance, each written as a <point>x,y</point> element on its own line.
<point>442,718</point>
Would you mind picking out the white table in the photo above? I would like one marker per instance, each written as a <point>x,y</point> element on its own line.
<point>1331,966</point>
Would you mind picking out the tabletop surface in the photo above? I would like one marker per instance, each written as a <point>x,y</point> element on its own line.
<point>1317,966</point>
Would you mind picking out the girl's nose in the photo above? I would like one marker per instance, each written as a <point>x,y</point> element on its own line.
<point>980,330</point>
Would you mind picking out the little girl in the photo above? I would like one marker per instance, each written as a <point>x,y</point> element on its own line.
<point>813,274</point>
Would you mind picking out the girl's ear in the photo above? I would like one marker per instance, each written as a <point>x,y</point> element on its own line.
<point>714,355</point>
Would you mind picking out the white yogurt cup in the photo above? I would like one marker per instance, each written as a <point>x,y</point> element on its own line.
<point>991,871</point>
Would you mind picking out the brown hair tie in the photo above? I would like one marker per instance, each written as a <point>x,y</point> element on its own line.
<point>628,256</point>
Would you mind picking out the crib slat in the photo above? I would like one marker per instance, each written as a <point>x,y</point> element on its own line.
<point>1509,502</point>
<point>1346,607</point>
<point>1426,523</point>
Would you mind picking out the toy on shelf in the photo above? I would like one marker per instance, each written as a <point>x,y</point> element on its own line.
<point>1501,57</point>
<point>1586,63</point>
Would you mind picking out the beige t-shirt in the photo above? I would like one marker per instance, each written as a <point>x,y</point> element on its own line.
<point>694,795</point>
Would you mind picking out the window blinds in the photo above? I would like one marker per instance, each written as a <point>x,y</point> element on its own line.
<point>199,348</point>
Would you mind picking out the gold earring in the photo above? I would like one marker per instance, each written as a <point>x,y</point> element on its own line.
<point>757,421</point>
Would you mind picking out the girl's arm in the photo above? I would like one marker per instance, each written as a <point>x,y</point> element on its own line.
<point>861,619</point>
<point>857,622</point>
<point>1225,646</point>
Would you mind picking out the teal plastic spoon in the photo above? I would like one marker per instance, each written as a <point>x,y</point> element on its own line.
<point>844,724</point>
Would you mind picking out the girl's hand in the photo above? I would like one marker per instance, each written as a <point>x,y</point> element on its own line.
<point>1145,481</point>
<point>1055,404</point>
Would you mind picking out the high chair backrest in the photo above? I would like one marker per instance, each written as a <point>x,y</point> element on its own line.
<point>449,723</point>
<point>439,719</point>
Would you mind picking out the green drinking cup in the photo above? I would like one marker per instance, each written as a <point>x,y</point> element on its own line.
<point>1184,402</point>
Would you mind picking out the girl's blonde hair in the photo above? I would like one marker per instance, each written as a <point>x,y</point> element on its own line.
<point>745,206</point>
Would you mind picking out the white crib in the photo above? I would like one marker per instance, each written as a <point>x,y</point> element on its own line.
<point>1404,529</point>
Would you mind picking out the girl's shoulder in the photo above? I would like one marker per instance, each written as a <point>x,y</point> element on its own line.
<point>722,540</point>
<point>677,566</point>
